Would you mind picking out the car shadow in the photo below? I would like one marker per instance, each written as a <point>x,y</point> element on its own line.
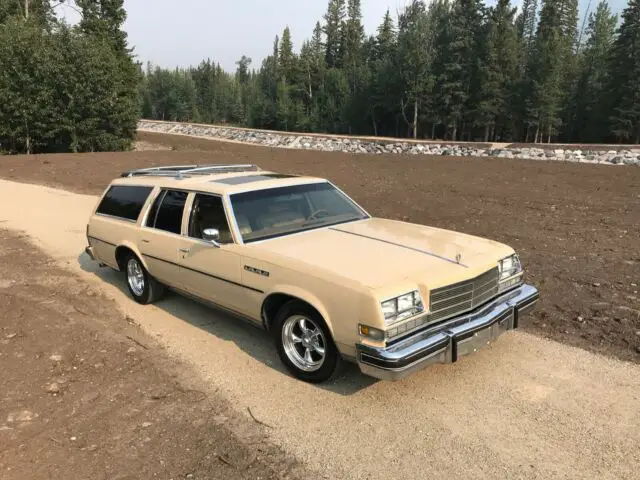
<point>249,338</point>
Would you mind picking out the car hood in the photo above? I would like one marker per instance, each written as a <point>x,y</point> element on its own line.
<point>377,252</point>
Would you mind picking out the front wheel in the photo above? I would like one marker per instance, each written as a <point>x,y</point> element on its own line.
<point>304,343</point>
<point>143,287</point>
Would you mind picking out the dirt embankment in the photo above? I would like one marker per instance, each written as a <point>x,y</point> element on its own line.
<point>85,394</point>
<point>576,226</point>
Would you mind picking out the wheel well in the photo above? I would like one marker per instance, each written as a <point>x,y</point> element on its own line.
<point>121,254</point>
<point>272,305</point>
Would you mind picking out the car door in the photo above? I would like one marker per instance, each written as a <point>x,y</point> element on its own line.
<point>159,238</point>
<point>212,272</point>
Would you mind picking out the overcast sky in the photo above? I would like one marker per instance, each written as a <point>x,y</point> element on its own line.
<point>183,32</point>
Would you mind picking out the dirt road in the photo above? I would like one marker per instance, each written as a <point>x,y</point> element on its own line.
<point>525,408</point>
<point>84,394</point>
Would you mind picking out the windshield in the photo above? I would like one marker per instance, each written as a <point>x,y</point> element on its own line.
<point>274,212</point>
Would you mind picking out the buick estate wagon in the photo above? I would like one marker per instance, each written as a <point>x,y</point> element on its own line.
<point>297,257</point>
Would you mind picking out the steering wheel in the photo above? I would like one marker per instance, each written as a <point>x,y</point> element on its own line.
<point>322,212</point>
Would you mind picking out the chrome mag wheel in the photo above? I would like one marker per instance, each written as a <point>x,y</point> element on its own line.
<point>135,277</point>
<point>304,343</point>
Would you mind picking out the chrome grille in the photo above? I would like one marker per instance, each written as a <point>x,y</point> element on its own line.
<point>460,297</point>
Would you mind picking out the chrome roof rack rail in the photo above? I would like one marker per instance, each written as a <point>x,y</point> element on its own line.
<point>181,171</point>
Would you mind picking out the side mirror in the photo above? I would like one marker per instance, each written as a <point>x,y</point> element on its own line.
<point>211,235</point>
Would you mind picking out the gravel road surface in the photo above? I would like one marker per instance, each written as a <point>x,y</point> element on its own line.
<point>525,408</point>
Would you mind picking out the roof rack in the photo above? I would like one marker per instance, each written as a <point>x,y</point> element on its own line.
<point>182,171</point>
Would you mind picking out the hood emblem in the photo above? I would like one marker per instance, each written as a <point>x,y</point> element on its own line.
<point>458,257</point>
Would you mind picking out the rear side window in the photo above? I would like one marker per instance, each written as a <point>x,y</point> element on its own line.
<point>166,212</point>
<point>124,201</point>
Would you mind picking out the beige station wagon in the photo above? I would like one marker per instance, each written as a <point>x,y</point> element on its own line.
<point>296,256</point>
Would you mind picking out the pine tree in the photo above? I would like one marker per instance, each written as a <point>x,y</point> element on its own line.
<point>415,57</point>
<point>458,48</point>
<point>104,18</point>
<point>354,36</point>
<point>384,84</point>
<point>286,57</point>
<point>526,23</point>
<point>242,73</point>
<point>498,70</point>
<point>569,35</point>
<point>589,99</point>
<point>316,44</point>
<point>352,61</point>
<point>313,68</point>
<point>549,67</point>
<point>624,86</point>
<point>526,28</point>
<point>333,30</point>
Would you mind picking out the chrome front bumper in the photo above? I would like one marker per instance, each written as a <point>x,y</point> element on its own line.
<point>448,341</point>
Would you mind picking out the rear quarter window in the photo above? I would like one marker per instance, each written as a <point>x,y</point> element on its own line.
<point>123,201</point>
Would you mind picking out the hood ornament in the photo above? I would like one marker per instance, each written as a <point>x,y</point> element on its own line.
<point>458,257</point>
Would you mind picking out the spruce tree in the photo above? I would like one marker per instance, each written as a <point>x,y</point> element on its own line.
<point>104,19</point>
<point>353,64</point>
<point>415,57</point>
<point>354,36</point>
<point>458,48</point>
<point>624,86</point>
<point>590,96</point>
<point>286,57</point>
<point>384,82</point>
<point>498,71</point>
<point>550,67</point>
<point>333,30</point>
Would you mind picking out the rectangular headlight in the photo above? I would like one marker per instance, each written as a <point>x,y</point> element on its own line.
<point>510,270</point>
<point>509,266</point>
<point>402,306</point>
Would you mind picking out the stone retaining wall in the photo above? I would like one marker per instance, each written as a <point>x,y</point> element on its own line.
<point>357,145</point>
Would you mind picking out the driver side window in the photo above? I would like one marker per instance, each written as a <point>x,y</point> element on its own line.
<point>208,212</point>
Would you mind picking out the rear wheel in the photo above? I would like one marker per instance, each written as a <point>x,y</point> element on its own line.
<point>143,287</point>
<point>304,343</point>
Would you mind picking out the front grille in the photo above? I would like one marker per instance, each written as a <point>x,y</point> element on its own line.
<point>461,297</point>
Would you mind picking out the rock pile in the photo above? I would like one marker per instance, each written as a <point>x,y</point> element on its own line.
<point>357,145</point>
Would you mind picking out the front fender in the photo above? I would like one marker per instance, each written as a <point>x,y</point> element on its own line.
<point>304,295</point>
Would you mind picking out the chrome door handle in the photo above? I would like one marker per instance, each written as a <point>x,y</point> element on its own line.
<point>183,250</point>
